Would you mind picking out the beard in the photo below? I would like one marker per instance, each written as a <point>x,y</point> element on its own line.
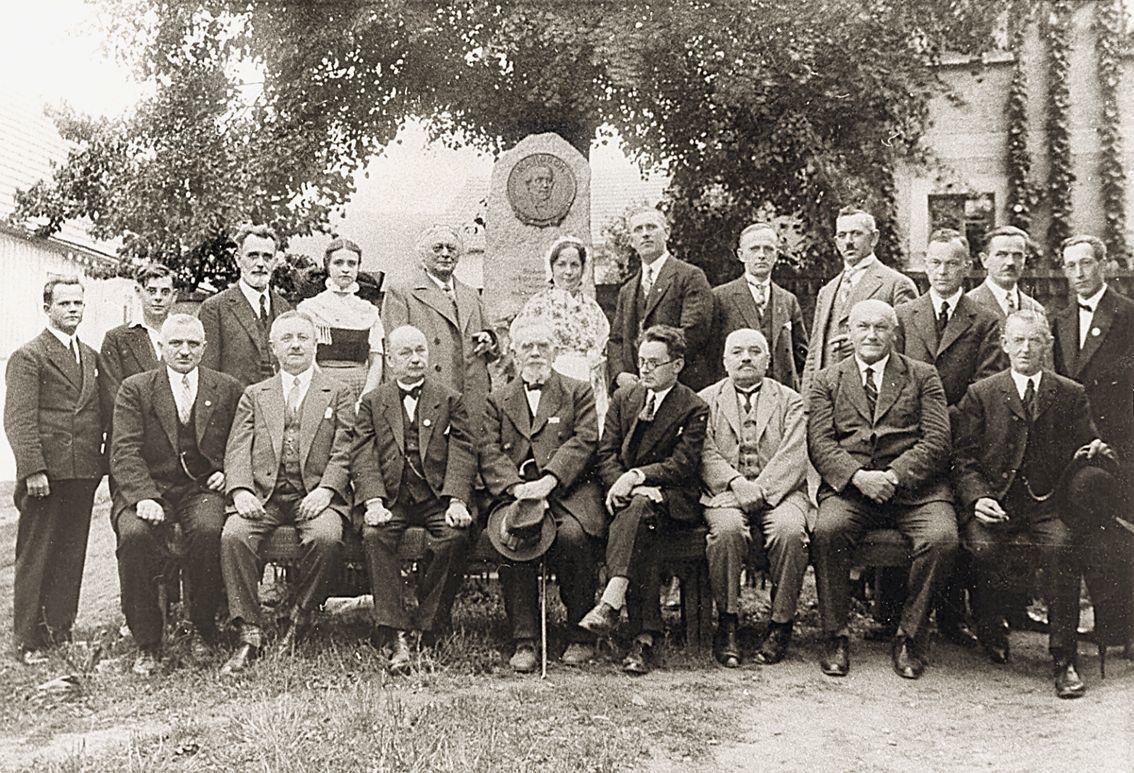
<point>535,371</point>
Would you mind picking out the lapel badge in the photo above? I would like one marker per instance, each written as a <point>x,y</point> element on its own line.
<point>208,403</point>
<point>552,419</point>
<point>426,423</point>
<point>1095,331</point>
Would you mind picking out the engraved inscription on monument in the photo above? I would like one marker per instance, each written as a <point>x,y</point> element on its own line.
<point>541,189</point>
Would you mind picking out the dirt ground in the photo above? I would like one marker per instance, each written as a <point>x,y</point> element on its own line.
<point>963,714</point>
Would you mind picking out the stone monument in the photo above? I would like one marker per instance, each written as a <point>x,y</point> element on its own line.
<point>541,190</point>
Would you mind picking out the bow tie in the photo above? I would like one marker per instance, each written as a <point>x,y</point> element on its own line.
<point>535,386</point>
<point>1086,308</point>
<point>414,392</point>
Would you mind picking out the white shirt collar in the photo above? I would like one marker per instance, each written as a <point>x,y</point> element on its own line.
<point>659,396</point>
<point>1093,301</point>
<point>1001,295</point>
<point>937,300</point>
<point>63,337</point>
<point>287,379</point>
<point>175,378</point>
<point>861,266</point>
<point>878,368</point>
<point>253,295</point>
<point>442,285</point>
<point>765,283</point>
<point>1022,382</point>
<point>656,266</point>
<point>155,335</point>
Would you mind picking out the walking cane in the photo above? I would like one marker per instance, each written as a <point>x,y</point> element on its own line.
<point>543,619</point>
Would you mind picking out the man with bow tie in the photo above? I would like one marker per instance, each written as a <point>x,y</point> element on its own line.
<point>754,469</point>
<point>238,319</point>
<point>450,315</point>
<point>54,424</point>
<point>170,430</point>
<point>286,462</point>
<point>649,459</point>
<point>1023,440</point>
<point>755,301</point>
<point>413,464</point>
<point>542,432</point>
<point>1094,345</point>
<point>878,434</point>
<point>863,277</point>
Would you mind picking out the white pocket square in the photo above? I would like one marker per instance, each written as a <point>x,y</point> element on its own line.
<point>329,413</point>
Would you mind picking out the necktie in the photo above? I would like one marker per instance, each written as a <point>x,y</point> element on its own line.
<point>74,351</point>
<point>748,395</point>
<point>759,296</point>
<point>871,390</point>
<point>185,405</point>
<point>845,287</point>
<point>293,399</point>
<point>943,317</point>
<point>1030,399</point>
<point>1011,302</point>
<point>648,283</point>
<point>263,309</point>
<point>647,413</point>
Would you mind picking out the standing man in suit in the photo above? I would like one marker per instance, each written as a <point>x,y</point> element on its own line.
<point>286,463</point>
<point>1094,345</point>
<point>542,433</point>
<point>878,433</point>
<point>54,424</point>
<point>754,468</point>
<point>413,464</point>
<point>237,320</point>
<point>450,314</point>
<point>649,459</point>
<point>1004,258</point>
<point>863,277</point>
<point>136,346</point>
<point>664,291</point>
<point>961,339</point>
<point>171,427</point>
<point>1018,433</point>
<point>755,301</point>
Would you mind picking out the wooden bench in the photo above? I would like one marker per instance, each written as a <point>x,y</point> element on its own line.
<point>684,556</point>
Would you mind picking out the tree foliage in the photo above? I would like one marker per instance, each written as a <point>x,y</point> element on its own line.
<point>803,105</point>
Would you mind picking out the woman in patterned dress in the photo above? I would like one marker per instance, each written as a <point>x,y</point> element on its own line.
<point>581,329</point>
<point>350,330</point>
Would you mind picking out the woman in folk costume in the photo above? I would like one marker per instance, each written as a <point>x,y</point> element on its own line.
<point>581,329</point>
<point>350,330</point>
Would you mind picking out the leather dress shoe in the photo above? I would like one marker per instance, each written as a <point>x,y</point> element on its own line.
<point>907,658</point>
<point>523,660</point>
<point>1067,681</point>
<point>729,653</point>
<point>637,660</point>
<point>240,659</point>
<point>775,644</point>
<point>958,633</point>
<point>601,620</point>
<point>836,660</point>
<point>577,654</point>
<point>401,661</point>
<point>995,643</point>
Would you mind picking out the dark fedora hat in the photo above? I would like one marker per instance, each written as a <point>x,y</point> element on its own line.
<point>1091,494</point>
<point>521,530</point>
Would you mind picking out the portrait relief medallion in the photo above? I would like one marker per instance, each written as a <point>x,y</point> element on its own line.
<point>541,189</point>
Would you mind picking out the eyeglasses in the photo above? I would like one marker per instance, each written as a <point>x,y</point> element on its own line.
<point>645,365</point>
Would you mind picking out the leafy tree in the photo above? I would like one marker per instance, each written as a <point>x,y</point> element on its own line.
<point>800,104</point>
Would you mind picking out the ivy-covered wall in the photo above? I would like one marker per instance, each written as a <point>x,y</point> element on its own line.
<point>1046,126</point>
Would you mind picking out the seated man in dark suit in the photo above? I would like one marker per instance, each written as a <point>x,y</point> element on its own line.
<point>286,463</point>
<point>542,433</point>
<point>878,433</point>
<point>413,464</point>
<point>170,430</point>
<point>649,459</point>
<point>1018,433</point>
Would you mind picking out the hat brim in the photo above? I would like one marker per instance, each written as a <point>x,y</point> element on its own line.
<point>529,551</point>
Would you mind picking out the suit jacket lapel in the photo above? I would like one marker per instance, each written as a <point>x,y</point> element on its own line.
<point>924,326</point>
<point>391,405</point>
<point>516,408</point>
<point>248,319</point>
<point>317,400</point>
<point>428,411</point>
<point>1011,396</point>
<point>142,347</point>
<point>88,368</point>
<point>664,416</point>
<point>466,303</point>
<point>741,297</point>
<point>777,305</point>
<point>764,407</point>
<point>1069,343</point>
<point>427,291</point>
<point>203,407</point>
<point>893,382</point>
<point>62,360</point>
<point>634,403</point>
<point>661,285</point>
<point>867,284</point>
<point>852,387</point>
<point>165,406</point>
<point>1101,321</point>
<point>548,403</point>
<point>1045,396</point>
<point>961,321</point>
<point>272,402</point>
<point>727,402</point>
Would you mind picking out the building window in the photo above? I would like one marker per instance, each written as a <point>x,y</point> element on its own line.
<point>973,214</point>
